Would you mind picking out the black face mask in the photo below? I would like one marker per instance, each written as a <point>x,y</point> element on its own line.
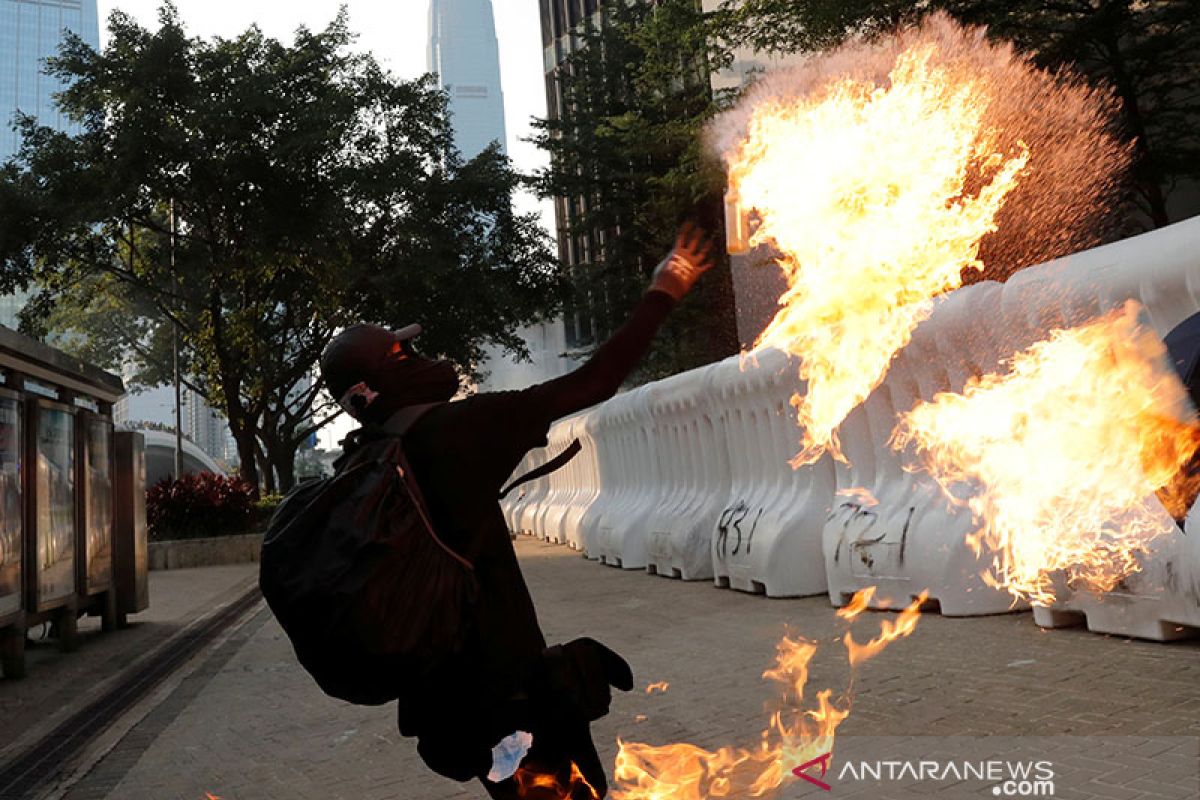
<point>416,380</point>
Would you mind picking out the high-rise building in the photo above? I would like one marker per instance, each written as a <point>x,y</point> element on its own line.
<point>465,57</point>
<point>561,24</point>
<point>30,32</point>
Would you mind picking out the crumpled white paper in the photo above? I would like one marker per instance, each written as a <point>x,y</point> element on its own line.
<point>507,755</point>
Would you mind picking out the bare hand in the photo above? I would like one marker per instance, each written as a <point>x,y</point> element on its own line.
<point>692,256</point>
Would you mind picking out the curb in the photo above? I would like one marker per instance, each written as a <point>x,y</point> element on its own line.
<point>212,552</point>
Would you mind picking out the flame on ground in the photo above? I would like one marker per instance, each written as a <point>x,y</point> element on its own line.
<point>875,171</point>
<point>660,686</point>
<point>858,604</point>
<point>535,785</point>
<point>1059,458</point>
<point>889,632</point>
<point>793,736</point>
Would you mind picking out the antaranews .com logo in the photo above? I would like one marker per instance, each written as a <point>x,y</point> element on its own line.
<point>1008,778</point>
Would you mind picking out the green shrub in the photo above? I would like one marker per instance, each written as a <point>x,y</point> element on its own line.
<point>264,508</point>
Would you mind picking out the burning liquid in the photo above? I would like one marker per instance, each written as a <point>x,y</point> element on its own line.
<point>537,785</point>
<point>877,171</point>
<point>793,737</point>
<point>1060,458</point>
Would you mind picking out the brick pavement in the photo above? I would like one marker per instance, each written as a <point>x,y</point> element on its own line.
<point>1119,719</point>
<point>60,683</point>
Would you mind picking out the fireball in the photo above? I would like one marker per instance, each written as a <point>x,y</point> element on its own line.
<point>1060,458</point>
<point>877,174</point>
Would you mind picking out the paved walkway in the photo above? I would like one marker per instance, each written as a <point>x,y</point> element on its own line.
<point>60,683</point>
<point>1115,718</point>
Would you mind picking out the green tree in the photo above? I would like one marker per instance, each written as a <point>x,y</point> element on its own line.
<point>627,164</point>
<point>1148,52</point>
<point>311,190</point>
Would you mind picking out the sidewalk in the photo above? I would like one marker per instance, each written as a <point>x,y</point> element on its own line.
<point>1119,719</point>
<point>58,683</point>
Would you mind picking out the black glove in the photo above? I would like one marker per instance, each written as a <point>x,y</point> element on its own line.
<point>578,675</point>
<point>573,689</point>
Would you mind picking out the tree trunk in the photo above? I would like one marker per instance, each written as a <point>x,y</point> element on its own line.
<point>247,447</point>
<point>283,459</point>
<point>267,474</point>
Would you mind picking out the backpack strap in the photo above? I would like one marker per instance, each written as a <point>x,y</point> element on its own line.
<point>396,456</point>
<point>556,463</point>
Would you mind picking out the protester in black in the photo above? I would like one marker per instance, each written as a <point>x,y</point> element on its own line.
<point>461,453</point>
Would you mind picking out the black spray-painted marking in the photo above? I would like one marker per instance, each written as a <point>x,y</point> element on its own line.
<point>723,528</point>
<point>750,536</point>
<point>733,517</point>
<point>904,534</point>
<point>856,511</point>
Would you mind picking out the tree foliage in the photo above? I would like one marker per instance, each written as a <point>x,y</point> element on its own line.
<point>310,188</point>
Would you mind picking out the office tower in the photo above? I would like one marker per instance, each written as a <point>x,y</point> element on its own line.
<point>30,32</point>
<point>464,56</point>
<point>561,23</point>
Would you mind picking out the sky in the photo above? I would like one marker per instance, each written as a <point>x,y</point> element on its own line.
<point>395,31</point>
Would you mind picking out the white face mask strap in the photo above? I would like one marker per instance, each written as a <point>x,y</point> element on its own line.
<point>353,394</point>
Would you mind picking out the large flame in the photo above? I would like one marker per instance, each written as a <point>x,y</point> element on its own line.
<point>1059,459</point>
<point>880,171</point>
<point>863,189</point>
<point>793,737</point>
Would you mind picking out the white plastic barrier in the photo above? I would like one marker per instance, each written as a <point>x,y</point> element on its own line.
<point>693,469</point>
<point>1162,271</point>
<point>657,461</point>
<point>913,539</point>
<point>901,535</point>
<point>767,537</point>
<point>585,475</point>
<point>512,505</point>
<point>620,534</point>
<point>609,474</point>
<point>1160,602</point>
<point>527,511</point>
<point>564,484</point>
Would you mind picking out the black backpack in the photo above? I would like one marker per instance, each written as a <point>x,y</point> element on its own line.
<point>370,597</point>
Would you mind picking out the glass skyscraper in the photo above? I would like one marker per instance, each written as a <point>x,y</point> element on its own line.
<point>30,32</point>
<point>466,59</point>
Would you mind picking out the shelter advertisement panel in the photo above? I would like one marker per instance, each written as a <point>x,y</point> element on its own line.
<point>98,494</point>
<point>55,504</point>
<point>11,517</point>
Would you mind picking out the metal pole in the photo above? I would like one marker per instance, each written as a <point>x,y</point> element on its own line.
<point>175,358</point>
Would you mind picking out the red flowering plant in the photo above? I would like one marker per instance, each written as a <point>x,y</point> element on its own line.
<point>199,505</point>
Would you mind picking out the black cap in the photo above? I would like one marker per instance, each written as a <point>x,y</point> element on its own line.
<point>354,355</point>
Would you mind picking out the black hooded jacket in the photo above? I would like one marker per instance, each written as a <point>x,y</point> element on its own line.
<point>461,454</point>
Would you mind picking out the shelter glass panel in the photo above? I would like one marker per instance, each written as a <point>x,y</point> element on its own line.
<point>55,480</point>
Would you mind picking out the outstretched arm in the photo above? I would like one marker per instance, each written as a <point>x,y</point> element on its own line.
<point>602,375</point>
